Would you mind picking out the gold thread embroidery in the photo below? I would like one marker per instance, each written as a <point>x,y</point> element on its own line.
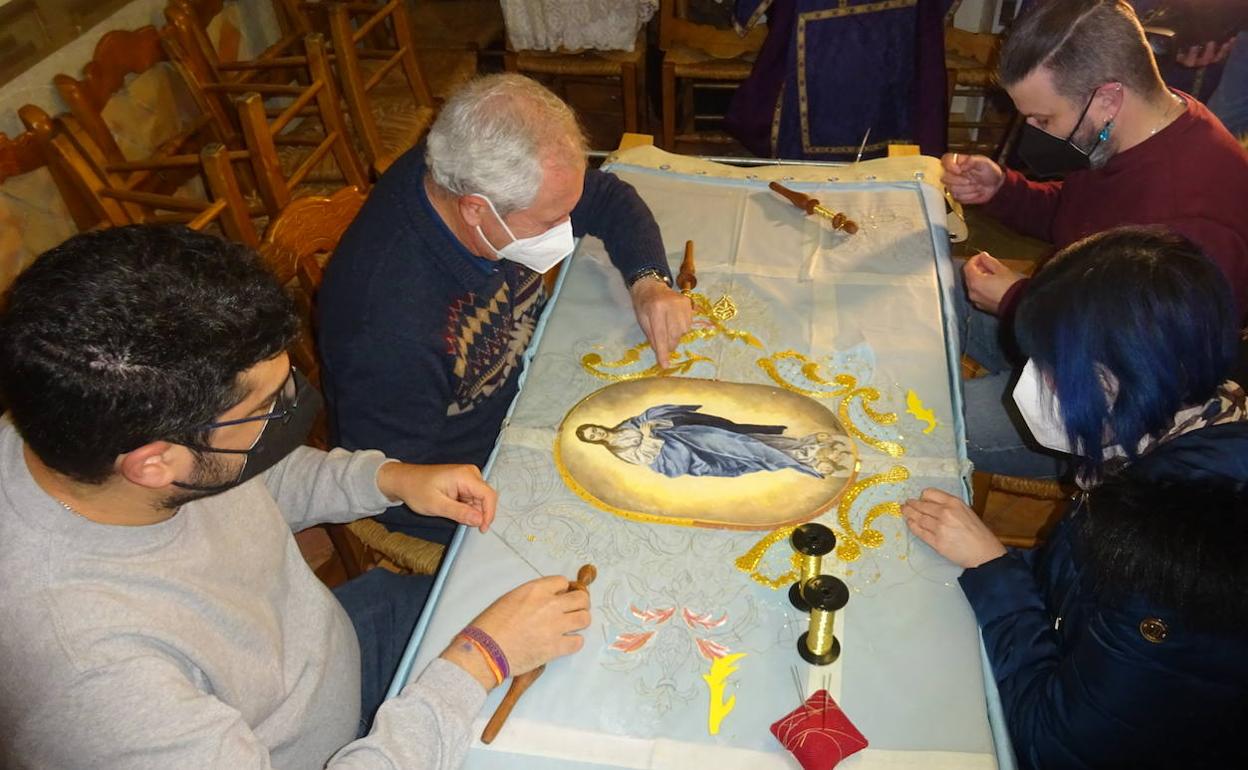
<point>682,361</point>
<point>850,543</point>
<point>845,387</point>
<point>748,562</point>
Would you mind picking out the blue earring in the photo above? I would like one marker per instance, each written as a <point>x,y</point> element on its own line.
<point>1104,135</point>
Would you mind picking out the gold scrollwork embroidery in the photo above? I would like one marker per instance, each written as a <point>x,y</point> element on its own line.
<point>748,562</point>
<point>844,387</point>
<point>715,314</point>
<point>850,542</point>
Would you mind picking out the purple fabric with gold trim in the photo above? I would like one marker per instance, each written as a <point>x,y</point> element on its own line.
<point>832,69</point>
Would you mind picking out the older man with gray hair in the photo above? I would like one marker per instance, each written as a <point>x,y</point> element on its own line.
<point>433,294</point>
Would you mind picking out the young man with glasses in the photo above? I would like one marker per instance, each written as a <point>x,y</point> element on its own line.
<point>1129,151</point>
<point>156,609</point>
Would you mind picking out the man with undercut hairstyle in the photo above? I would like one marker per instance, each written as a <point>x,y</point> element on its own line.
<point>1128,150</point>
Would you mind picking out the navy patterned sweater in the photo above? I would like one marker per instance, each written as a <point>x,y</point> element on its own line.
<point>421,340</point>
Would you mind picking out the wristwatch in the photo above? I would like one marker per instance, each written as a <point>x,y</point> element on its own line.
<point>649,272</point>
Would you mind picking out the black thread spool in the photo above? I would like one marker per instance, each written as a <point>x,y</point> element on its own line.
<point>826,594</point>
<point>812,542</point>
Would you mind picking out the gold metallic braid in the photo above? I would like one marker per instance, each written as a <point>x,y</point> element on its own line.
<point>850,543</point>
<point>682,361</point>
<point>748,562</point>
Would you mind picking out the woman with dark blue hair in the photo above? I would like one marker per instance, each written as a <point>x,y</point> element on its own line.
<point>1123,641</point>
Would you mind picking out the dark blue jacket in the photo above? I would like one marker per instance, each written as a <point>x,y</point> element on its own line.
<point>1123,642</point>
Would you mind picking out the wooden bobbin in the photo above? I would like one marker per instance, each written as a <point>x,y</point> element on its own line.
<point>827,594</point>
<point>812,542</point>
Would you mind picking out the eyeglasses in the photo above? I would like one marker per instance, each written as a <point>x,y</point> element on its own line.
<point>283,408</point>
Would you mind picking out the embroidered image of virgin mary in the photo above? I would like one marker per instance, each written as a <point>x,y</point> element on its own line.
<point>679,440</point>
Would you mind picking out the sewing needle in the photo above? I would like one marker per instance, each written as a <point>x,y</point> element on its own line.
<point>863,146</point>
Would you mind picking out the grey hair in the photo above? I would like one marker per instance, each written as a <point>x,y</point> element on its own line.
<point>493,135</point>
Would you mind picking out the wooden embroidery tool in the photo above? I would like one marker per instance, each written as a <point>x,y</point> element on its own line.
<point>812,541</point>
<point>826,594</point>
<point>687,278</point>
<point>584,576</point>
<point>811,206</point>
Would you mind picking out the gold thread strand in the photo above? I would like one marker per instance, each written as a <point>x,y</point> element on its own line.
<point>820,637</point>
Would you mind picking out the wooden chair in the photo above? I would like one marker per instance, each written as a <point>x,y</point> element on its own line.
<point>295,246</point>
<point>970,73</point>
<point>113,203</point>
<point>390,114</point>
<point>24,154</point>
<point>119,54</point>
<point>471,25</point>
<point>626,67</point>
<point>699,56</point>
<point>283,152</point>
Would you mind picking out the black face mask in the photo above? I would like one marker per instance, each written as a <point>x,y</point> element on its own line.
<point>1050,156</point>
<point>285,430</point>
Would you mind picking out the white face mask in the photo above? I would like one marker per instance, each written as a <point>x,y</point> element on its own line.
<point>1041,410</point>
<point>538,253</point>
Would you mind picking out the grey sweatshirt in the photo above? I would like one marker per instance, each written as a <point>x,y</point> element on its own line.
<point>204,641</point>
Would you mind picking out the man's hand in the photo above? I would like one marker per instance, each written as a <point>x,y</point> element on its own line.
<point>663,314</point>
<point>987,281</point>
<point>971,178</point>
<point>533,624</point>
<point>951,528</point>
<point>1203,55</point>
<point>456,492</point>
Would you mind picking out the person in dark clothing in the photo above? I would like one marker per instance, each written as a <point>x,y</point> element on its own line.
<point>1132,153</point>
<point>434,292</point>
<point>1123,641</point>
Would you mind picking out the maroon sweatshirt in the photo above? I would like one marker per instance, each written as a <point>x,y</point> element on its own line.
<point>1191,176</point>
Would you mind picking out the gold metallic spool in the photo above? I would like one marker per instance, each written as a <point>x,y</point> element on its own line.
<point>827,594</point>
<point>812,542</point>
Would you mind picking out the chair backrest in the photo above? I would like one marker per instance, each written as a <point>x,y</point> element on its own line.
<point>113,204</point>
<point>119,53</point>
<point>318,99</point>
<point>29,151</point>
<point>354,43</point>
<point>20,155</point>
<point>676,30</point>
<point>295,245</point>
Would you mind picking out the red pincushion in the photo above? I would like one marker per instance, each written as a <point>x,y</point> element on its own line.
<point>818,733</point>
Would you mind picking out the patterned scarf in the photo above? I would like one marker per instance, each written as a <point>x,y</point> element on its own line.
<point>1229,404</point>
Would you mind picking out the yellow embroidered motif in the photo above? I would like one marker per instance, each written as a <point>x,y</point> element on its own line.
<point>914,406</point>
<point>748,562</point>
<point>716,679</point>
<point>849,543</point>
<point>724,309</point>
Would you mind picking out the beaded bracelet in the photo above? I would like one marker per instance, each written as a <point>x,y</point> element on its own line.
<point>489,647</point>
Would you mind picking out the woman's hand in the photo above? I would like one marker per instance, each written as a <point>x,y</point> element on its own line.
<point>455,492</point>
<point>951,528</point>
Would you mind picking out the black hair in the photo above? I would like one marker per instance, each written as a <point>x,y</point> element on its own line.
<point>1143,305</point>
<point>125,336</point>
<point>1085,43</point>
